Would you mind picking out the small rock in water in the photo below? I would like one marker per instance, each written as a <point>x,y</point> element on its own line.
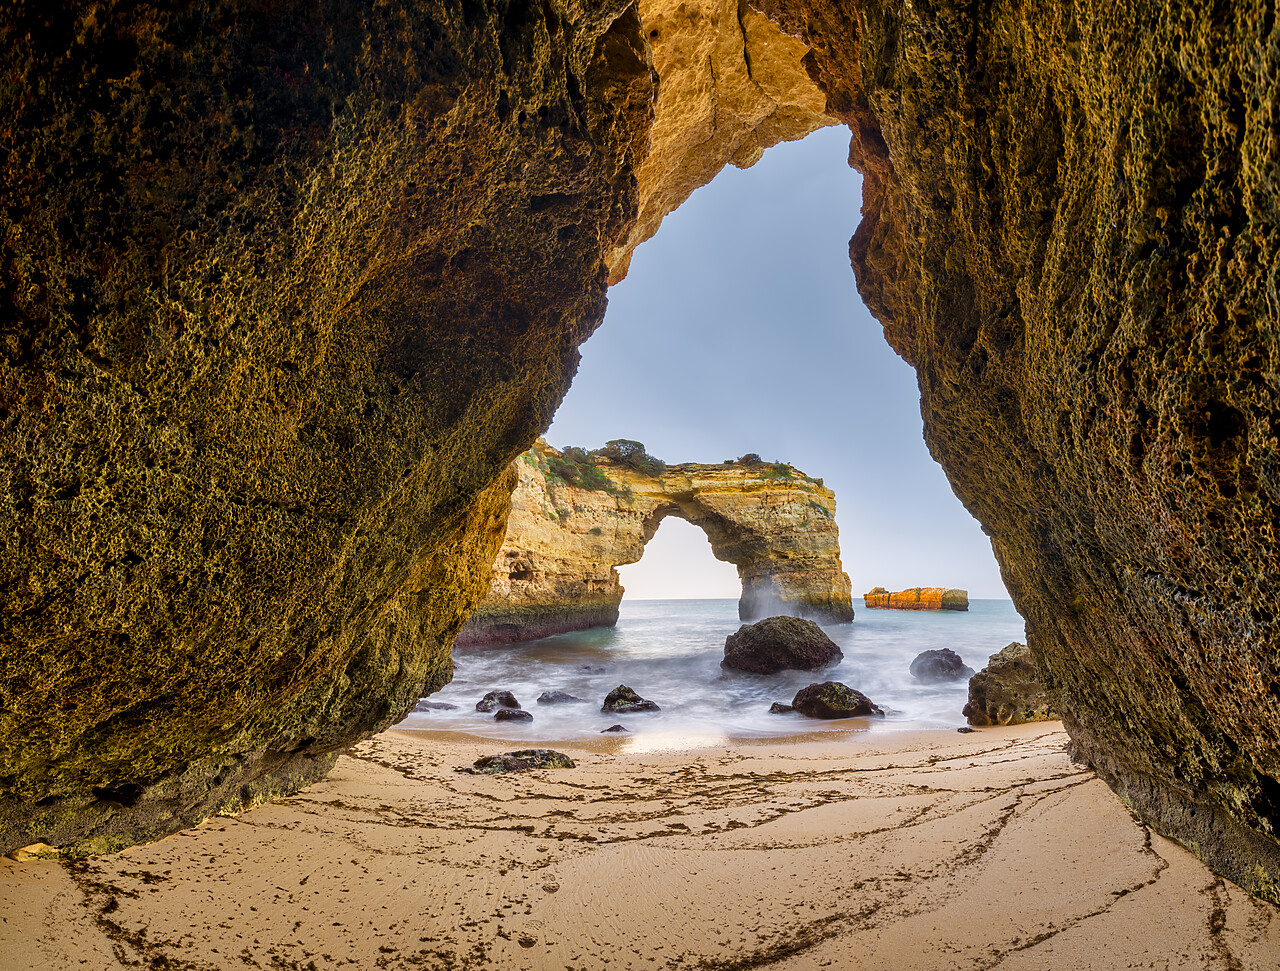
<point>559,698</point>
<point>831,699</point>
<point>625,701</point>
<point>497,699</point>
<point>512,715</point>
<point>778,708</point>
<point>522,761</point>
<point>778,644</point>
<point>943,665</point>
<point>615,728</point>
<point>425,705</point>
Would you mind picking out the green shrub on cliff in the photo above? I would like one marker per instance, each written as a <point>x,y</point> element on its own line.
<point>576,467</point>
<point>625,451</point>
<point>776,470</point>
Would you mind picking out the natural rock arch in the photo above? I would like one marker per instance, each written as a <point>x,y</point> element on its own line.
<point>285,290</point>
<point>557,569</point>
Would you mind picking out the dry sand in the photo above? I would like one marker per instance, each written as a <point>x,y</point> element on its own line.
<point>876,851</point>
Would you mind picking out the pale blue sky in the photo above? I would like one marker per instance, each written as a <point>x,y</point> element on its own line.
<point>739,329</point>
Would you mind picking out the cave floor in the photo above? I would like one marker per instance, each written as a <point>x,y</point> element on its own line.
<point>912,851</point>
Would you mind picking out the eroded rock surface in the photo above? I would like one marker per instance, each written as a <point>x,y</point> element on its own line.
<point>917,598</point>
<point>779,644</point>
<point>571,526</point>
<point>284,288</point>
<point>732,85</point>
<point>1008,691</point>
<point>1070,230</point>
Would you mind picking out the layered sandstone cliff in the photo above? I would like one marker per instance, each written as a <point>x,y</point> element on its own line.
<point>917,598</point>
<point>572,525</point>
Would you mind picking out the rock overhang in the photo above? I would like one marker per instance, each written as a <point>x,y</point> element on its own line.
<point>1068,238</point>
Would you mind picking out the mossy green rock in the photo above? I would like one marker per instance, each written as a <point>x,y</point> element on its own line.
<point>522,761</point>
<point>1008,691</point>
<point>286,287</point>
<point>1071,228</point>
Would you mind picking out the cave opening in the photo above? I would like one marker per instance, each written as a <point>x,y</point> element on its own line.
<point>738,329</point>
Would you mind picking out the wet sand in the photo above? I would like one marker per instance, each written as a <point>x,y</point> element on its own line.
<point>910,851</point>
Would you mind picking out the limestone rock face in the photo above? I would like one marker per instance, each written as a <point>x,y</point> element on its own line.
<point>1071,230</point>
<point>285,288</point>
<point>557,572</point>
<point>1008,691</point>
<point>917,598</point>
<point>732,85</point>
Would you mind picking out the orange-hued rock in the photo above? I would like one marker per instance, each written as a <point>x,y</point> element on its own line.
<point>731,85</point>
<point>557,572</point>
<point>917,598</point>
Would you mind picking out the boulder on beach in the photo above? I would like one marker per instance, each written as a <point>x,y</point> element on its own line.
<point>831,699</point>
<point>512,715</point>
<point>497,699</point>
<point>522,761</point>
<point>943,665</point>
<point>1007,691</point>
<point>778,708</point>
<point>779,644</point>
<point>559,698</point>
<point>625,701</point>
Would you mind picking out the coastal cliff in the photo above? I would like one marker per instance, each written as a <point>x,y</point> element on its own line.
<point>917,598</point>
<point>577,516</point>
<point>286,287</point>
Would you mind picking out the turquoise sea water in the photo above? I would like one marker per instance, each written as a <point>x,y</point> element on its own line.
<point>669,651</point>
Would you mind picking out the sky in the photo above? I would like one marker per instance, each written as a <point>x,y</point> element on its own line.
<point>739,329</point>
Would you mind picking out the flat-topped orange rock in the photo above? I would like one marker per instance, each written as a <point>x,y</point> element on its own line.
<point>917,598</point>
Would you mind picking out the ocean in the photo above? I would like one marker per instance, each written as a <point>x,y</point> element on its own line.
<point>669,651</point>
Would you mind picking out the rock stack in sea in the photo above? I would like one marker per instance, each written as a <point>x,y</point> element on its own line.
<point>917,598</point>
<point>1008,691</point>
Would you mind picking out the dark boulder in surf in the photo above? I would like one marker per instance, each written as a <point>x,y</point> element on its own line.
<point>831,699</point>
<point>943,665</point>
<point>497,699</point>
<point>779,644</point>
<point>625,701</point>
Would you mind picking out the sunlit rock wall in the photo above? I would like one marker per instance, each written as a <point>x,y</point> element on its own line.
<point>1070,230</point>
<point>556,570</point>
<point>732,86</point>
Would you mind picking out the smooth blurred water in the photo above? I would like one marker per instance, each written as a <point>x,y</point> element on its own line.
<point>669,651</point>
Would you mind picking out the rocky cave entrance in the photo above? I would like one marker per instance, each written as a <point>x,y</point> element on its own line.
<point>739,329</point>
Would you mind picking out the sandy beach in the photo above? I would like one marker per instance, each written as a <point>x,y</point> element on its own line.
<point>931,850</point>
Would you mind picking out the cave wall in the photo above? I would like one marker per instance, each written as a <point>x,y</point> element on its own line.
<point>283,289</point>
<point>1070,230</point>
<point>557,568</point>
